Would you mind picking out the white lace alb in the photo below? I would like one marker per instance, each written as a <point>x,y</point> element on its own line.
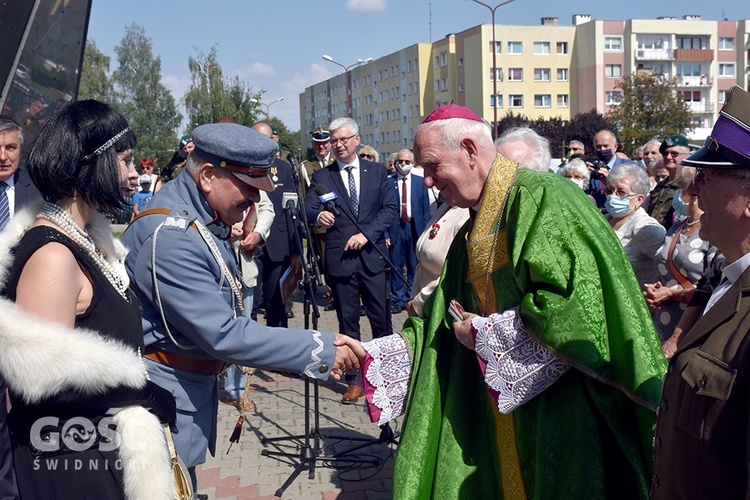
<point>518,367</point>
<point>389,372</point>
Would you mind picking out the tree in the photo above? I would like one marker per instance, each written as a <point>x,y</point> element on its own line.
<point>211,96</point>
<point>96,78</point>
<point>147,104</point>
<point>288,141</point>
<point>583,127</point>
<point>650,109</point>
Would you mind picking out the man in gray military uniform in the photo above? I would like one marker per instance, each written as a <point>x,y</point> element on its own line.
<point>183,273</point>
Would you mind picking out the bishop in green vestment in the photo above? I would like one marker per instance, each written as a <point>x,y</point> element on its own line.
<point>536,247</point>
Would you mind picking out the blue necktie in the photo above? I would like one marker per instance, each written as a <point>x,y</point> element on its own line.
<point>353,190</point>
<point>4,206</point>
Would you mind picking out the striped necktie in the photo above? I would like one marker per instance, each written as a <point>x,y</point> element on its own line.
<point>4,206</point>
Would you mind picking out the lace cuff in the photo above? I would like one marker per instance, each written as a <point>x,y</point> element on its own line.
<point>516,368</point>
<point>387,370</point>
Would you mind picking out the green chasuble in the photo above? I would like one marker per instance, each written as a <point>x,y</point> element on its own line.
<point>538,245</point>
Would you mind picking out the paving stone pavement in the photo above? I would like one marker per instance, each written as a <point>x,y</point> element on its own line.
<point>244,473</point>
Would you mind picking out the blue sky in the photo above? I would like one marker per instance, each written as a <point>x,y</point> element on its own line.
<point>277,45</point>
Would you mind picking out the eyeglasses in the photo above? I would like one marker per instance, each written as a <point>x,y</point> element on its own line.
<point>366,156</point>
<point>620,193</point>
<point>341,141</point>
<point>404,162</point>
<point>674,154</point>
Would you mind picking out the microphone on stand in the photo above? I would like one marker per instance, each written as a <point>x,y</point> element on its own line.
<point>289,202</point>
<point>328,199</point>
<point>295,171</point>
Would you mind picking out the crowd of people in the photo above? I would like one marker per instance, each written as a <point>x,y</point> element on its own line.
<point>576,332</point>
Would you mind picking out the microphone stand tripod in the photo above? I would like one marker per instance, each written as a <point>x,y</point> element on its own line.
<point>308,455</point>
<point>386,433</point>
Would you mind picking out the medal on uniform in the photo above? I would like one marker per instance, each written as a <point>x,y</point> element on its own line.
<point>274,171</point>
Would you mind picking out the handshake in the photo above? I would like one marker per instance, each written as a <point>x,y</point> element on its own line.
<point>349,355</point>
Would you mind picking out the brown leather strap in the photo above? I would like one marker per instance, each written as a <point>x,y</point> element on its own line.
<point>681,278</point>
<point>188,364</point>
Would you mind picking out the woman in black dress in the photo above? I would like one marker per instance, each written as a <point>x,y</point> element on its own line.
<point>85,422</point>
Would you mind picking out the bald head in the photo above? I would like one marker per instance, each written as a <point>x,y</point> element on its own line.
<point>263,128</point>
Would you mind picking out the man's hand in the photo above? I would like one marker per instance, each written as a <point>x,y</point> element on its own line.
<point>236,234</point>
<point>349,352</point>
<point>296,261</point>
<point>356,242</point>
<point>410,308</point>
<point>251,241</point>
<point>463,329</point>
<point>326,219</point>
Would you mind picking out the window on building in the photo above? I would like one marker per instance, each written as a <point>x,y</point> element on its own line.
<point>460,87</point>
<point>408,66</point>
<point>443,60</point>
<point>541,48</point>
<point>497,74</point>
<point>460,61</point>
<point>726,70</point>
<point>515,48</point>
<point>613,70</point>
<point>691,95</point>
<point>515,74</point>
<point>496,102</point>
<point>691,42</point>
<point>612,98</point>
<point>444,84</point>
<point>726,43</point>
<point>498,47</point>
<point>613,44</point>
<point>723,96</point>
<point>542,101</point>
<point>562,48</point>
<point>689,69</point>
<point>562,74</point>
<point>437,85</point>
<point>542,74</point>
<point>562,100</point>
<point>515,101</point>
<point>437,62</point>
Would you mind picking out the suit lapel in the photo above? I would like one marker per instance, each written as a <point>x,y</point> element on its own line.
<point>340,188</point>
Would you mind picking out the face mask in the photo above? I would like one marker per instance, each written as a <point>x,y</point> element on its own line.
<point>604,155</point>
<point>618,207</point>
<point>578,182</point>
<point>680,207</point>
<point>403,169</point>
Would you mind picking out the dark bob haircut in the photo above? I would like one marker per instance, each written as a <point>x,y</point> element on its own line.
<point>62,161</point>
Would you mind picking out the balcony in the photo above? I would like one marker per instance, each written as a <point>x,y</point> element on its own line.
<point>693,81</point>
<point>654,55</point>
<point>693,55</point>
<point>701,107</point>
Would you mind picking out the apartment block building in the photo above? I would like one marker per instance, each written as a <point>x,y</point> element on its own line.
<point>546,71</point>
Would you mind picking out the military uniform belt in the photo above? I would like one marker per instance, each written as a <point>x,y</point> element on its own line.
<point>188,364</point>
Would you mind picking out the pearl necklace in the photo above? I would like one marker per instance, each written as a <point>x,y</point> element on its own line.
<point>55,214</point>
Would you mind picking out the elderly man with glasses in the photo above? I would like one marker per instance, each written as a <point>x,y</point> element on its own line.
<point>353,266</point>
<point>414,212</point>
<point>701,440</point>
<point>674,149</point>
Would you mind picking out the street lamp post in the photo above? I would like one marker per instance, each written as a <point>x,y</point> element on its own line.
<point>348,78</point>
<point>494,60</point>
<point>257,101</point>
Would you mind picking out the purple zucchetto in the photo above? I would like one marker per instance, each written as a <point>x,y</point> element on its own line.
<point>728,146</point>
<point>452,111</point>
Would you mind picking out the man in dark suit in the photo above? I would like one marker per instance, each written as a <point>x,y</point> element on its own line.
<point>605,149</point>
<point>16,191</point>
<point>701,442</point>
<point>279,251</point>
<point>414,212</point>
<point>355,268</point>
